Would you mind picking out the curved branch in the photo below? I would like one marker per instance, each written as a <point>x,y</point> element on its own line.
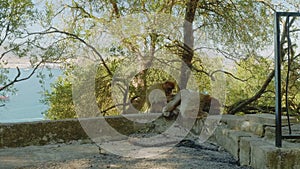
<point>16,79</point>
<point>12,49</point>
<point>200,71</point>
<point>229,74</point>
<point>267,4</point>
<point>49,31</point>
<point>112,107</point>
<point>242,104</point>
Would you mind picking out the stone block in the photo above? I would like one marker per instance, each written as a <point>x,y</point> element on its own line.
<point>264,155</point>
<point>245,149</point>
<point>230,140</point>
<point>268,119</point>
<point>255,128</point>
<point>232,121</point>
<point>40,133</point>
<point>290,158</point>
<point>269,133</point>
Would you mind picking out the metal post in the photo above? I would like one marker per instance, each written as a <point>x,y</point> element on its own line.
<point>278,141</point>
<point>278,58</point>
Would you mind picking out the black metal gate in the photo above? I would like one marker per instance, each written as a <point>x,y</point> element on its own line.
<point>278,58</point>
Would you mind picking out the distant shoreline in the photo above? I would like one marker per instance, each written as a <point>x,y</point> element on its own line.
<point>29,66</point>
<point>12,61</point>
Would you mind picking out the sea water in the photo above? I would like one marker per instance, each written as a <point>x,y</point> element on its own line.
<point>25,105</point>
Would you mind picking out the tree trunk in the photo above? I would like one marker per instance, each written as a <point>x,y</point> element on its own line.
<point>145,62</point>
<point>188,52</point>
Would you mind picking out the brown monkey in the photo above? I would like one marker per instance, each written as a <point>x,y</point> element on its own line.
<point>158,95</point>
<point>156,98</point>
<point>208,104</point>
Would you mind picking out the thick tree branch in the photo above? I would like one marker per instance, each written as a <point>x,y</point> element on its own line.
<point>12,49</point>
<point>115,8</point>
<point>6,34</point>
<point>237,108</point>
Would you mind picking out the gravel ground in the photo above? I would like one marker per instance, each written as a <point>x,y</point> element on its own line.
<point>187,154</point>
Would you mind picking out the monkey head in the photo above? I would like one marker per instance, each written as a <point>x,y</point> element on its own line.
<point>168,87</point>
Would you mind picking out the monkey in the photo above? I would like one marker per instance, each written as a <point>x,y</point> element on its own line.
<point>155,98</point>
<point>158,95</point>
<point>208,104</point>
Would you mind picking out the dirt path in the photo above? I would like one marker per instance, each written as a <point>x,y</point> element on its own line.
<point>186,155</point>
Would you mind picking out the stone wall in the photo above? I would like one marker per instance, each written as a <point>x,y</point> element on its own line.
<point>63,131</point>
<point>40,133</point>
<point>251,140</point>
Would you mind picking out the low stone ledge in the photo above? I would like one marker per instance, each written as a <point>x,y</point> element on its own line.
<point>40,133</point>
<point>248,149</point>
<point>245,149</point>
<point>251,140</point>
<point>268,119</point>
<point>232,121</point>
<point>244,123</point>
<point>264,155</point>
<point>230,140</point>
<point>62,131</point>
<point>258,124</point>
<point>252,127</point>
<point>270,132</point>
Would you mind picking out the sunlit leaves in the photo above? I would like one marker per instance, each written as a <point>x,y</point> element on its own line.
<point>60,100</point>
<point>230,23</point>
<point>130,28</point>
<point>15,15</point>
<point>253,70</point>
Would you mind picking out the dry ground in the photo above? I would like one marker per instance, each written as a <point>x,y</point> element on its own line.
<point>187,154</point>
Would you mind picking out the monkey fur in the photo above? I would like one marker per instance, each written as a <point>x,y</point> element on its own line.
<point>158,95</point>
<point>208,104</point>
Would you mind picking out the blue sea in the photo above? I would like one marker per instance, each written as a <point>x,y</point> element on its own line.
<point>25,105</point>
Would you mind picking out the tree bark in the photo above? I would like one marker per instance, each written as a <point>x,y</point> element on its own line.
<point>188,52</point>
<point>115,8</point>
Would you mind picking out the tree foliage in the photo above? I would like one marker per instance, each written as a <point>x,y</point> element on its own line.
<point>113,33</point>
<point>18,19</point>
<point>60,100</point>
<point>216,28</point>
